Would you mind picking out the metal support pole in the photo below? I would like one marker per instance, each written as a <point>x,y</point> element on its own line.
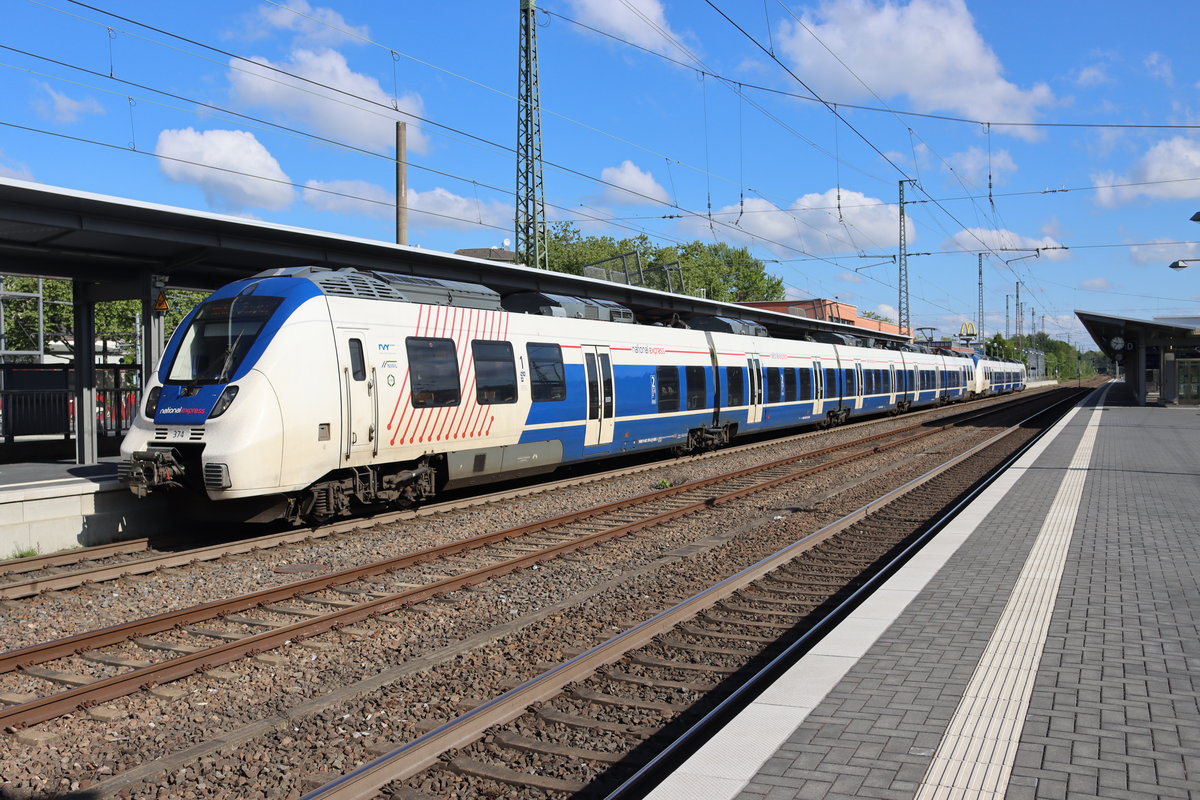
<point>904,319</point>
<point>1020,316</point>
<point>1007,328</point>
<point>153,332</point>
<point>401,183</point>
<point>981,297</point>
<point>86,449</point>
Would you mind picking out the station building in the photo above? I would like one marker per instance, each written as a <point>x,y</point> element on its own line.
<point>1160,357</point>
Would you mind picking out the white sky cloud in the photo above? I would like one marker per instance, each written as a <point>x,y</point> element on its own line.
<point>436,208</point>
<point>311,24</point>
<point>361,198</point>
<point>1159,66</point>
<point>236,155</point>
<point>974,162</point>
<point>328,112</point>
<point>61,108</point>
<point>972,240</point>
<point>1160,252</point>
<point>643,22</point>
<point>1097,284</point>
<point>1167,160</point>
<point>444,209</point>
<point>1092,76</point>
<point>947,66</point>
<point>641,184</point>
<point>14,169</point>
<point>872,224</point>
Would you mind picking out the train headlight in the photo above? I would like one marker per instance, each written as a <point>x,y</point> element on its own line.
<point>224,401</point>
<point>152,401</point>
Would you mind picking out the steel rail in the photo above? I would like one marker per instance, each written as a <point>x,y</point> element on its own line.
<point>22,589</point>
<point>103,690</point>
<point>18,566</point>
<point>90,640</point>
<point>412,757</point>
<point>14,591</point>
<point>651,773</point>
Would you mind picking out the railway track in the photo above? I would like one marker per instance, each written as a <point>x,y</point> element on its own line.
<point>715,643</point>
<point>334,601</point>
<point>356,594</point>
<point>26,577</point>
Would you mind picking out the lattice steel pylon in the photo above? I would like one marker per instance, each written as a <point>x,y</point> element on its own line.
<point>530,231</point>
<point>905,323</point>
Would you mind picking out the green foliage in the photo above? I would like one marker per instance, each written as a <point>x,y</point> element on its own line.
<point>1063,361</point>
<point>875,315</point>
<point>25,552</point>
<point>725,273</point>
<point>116,321</point>
<point>663,484</point>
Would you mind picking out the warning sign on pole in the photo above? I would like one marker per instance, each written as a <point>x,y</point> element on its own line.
<point>161,303</point>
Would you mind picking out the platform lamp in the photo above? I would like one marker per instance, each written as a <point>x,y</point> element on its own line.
<point>1183,262</point>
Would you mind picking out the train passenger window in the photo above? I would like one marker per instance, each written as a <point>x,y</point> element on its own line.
<point>495,372</point>
<point>806,384</point>
<point>434,367</point>
<point>695,388</point>
<point>789,385</point>
<point>887,382</point>
<point>668,389</point>
<point>735,389</point>
<point>868,381</point>
<point>593,386</point>
<point>358,363</point>
<point>850,384</point>
<point>547,380</point>
<point>774,385</point>
<point>831,383</point>
<point>606,373</point>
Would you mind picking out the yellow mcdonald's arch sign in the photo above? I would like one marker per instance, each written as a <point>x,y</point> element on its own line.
<point>967,329</point>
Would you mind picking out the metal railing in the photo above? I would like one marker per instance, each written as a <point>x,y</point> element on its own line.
<point>39,399</point>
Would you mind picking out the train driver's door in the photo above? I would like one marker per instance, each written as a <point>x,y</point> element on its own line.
<point>601,393</point>
<point>754,408</point>
<point>359,402</point>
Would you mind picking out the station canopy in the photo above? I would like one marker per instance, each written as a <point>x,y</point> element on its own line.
<point>56,232</point>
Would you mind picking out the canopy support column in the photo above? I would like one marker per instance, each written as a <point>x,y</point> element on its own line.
<point>86,446</point>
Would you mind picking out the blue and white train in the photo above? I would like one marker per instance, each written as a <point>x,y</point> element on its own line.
<point>309,393</point>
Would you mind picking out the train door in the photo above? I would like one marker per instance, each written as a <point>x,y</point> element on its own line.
<point>818,388</point>
<point>600,395</point>
<point>360,401</point>
<point>892,388</point>
<point>754,409</point>
<point>859,389</point>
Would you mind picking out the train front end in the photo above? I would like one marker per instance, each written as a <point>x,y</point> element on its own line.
<point>210,424</point>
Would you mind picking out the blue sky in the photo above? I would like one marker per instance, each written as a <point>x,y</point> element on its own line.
<point>678,119</point>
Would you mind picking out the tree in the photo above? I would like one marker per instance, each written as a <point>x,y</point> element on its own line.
<point>875,315</point>
<point>116,320</point>
<point>725,273</point>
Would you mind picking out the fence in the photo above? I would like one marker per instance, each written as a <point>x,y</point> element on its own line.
<point>39,399</point>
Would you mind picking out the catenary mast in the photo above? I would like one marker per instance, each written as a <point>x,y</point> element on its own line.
<point>531,197</point>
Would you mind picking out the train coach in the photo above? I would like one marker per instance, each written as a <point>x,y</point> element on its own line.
<point>309,393</point>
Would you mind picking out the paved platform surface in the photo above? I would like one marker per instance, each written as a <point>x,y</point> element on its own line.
<point>1045,645</point>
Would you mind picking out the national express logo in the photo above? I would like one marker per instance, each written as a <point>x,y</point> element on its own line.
<point>182,410</point>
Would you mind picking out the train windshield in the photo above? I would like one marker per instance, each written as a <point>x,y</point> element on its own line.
<point>220,336</point>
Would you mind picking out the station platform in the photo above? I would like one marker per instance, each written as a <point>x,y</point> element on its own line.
<point>50,506</point>
<point>1046,644</point>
